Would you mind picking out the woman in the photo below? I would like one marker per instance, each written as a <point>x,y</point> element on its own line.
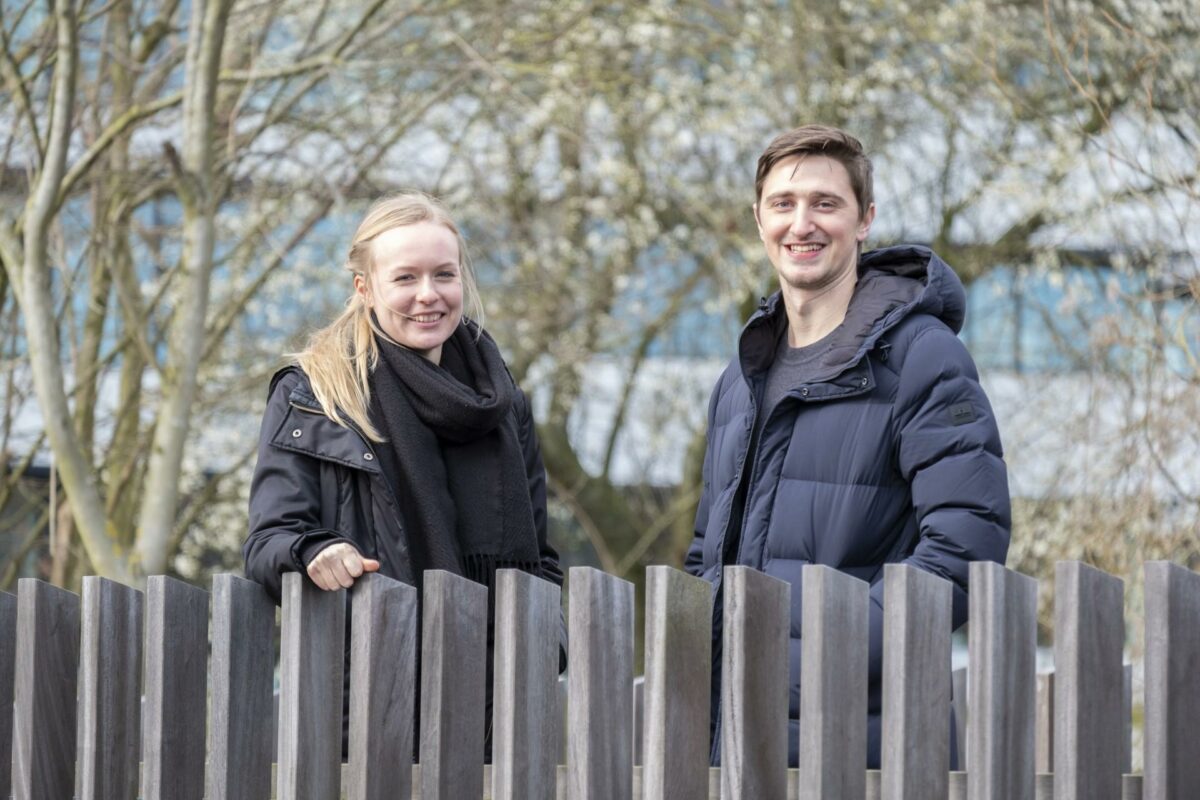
<point>398,441</point>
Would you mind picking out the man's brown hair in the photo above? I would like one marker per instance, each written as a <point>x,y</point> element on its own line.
<point>821,140</point>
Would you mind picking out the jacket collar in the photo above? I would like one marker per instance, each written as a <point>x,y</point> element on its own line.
<point>893,283</point>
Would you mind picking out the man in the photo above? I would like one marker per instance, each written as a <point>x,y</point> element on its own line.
<point>850,430</point>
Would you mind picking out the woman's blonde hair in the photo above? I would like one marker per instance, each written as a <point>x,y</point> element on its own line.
<point>339,358</point>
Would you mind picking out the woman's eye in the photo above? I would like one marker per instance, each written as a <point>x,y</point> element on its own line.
<point>447,275</point>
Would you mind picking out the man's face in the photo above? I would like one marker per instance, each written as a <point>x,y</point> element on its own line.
<point>809,222</point>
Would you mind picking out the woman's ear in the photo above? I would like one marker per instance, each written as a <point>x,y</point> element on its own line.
<point>362,289</point>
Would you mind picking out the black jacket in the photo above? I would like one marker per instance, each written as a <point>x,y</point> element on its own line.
<point>890,455</point>
<point>318,482</point>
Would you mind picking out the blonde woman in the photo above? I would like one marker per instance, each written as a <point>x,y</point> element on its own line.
<point>398,441</point>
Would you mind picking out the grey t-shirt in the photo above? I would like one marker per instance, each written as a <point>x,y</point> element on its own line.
<point>792,367</point>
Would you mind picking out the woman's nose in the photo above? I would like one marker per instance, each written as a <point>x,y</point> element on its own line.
<point>425,291</point>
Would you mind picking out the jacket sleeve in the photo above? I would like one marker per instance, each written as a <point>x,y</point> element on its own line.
<point>535,470</point>
<point>951,457</point>
<point>536,474</point>
<point>285,503</point>
<point>693,561</point>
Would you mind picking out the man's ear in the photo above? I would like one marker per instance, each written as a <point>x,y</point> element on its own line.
<point>757,221</point>
<point>864,225</point>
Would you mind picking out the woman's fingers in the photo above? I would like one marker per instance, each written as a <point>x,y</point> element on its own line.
<point>321,575</point>
<point>338,565</point>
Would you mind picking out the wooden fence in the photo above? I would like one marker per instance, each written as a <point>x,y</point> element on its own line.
<point>74,681</point>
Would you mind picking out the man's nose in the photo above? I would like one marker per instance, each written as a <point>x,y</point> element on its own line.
<point>801,222</point>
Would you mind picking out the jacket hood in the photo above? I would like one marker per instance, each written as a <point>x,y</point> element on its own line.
<point>893,284</point>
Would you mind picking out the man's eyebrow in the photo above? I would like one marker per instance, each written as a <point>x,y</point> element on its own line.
<point>814,195</point>
<point>827,196</point>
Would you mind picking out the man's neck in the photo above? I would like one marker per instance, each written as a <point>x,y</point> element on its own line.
<point>813,315</point>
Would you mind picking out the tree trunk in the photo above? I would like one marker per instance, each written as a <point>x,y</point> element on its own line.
<point>196,181</point>
<point>78,478</point>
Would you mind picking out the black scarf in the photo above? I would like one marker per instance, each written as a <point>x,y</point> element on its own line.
<point>454,453</point>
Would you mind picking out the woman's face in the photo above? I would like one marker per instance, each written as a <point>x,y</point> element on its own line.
<point>415,286</point>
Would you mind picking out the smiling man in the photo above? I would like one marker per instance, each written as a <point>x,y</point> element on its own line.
<point>850,430</point>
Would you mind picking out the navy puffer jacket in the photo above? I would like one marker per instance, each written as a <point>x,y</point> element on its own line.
<point>891,454</point>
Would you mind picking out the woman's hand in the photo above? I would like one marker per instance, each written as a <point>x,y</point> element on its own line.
<point>338,565</point>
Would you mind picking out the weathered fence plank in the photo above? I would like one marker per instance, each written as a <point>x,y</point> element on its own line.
<point>600,687</point>
<point>678,672</point>
<point>1172,748</point>
<point>47,671</point>
<point>110,689</point>
<point>311,662</point>
<point>1089,683</point>
<point>176,690</point>
<point>1002,659</point>
<point>383,674</point>
<point>916,683</point>
<point>1131,787</point>
<point>525,697</point>
<point>453,686</point>
<point>754,685</point>
<point>241,673</point>
<point>833,685</point>
<point>8,665</point>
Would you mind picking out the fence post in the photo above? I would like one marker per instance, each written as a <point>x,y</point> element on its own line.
<point>1089,639</point>
<point>525,697</point>
<point>677,687</point>
<point>1002,662</point>
<point>754,685</point>
<point>8,665</point>
<point>176,690</point>
<point>600,687</point>
<point>47,672</point>
<point>383,665</point>
<point>110,690</point>
<point>916,683</point>
<point>241,674</point>
<point>311,663</point>
<point>833,684</point>
<point>453,686</point>
<point>1172,748</point>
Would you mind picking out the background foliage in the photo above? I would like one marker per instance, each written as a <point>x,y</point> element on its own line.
<point>179,182</point>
